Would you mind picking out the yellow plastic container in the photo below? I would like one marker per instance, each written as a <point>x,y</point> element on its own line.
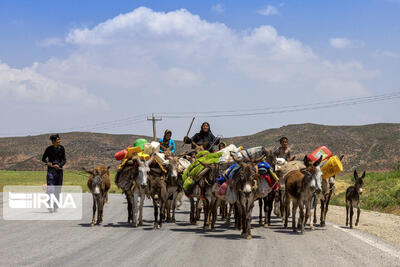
<point>132,151</point>
<point>332,167</point>
<point>143,155</point>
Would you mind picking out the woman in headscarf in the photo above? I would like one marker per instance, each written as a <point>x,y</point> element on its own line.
<point>204,138</point>
<point>167,145</point>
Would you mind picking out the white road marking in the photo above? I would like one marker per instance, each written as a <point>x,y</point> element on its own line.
<point>381,246</point>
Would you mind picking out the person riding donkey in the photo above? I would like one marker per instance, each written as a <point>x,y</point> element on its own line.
<point>167,145</point>
<point>283,151</point>
<point>204,138</point>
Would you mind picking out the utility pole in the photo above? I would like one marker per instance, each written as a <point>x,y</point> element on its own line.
<point>154,119</point>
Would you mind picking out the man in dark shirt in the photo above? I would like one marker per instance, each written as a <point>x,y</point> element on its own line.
<point>54,157</point>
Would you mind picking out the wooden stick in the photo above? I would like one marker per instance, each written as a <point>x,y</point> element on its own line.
<point>190,127</point>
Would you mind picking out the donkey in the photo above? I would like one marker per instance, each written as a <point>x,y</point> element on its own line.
<point>211,202</point>
<point>99,184</point>
<point>159,195</point>
<point>266,196</point>
<point>328,189</point>
<point>133,181</point>
<point>173,182</point>
<point>245,185</point>
<point>353,198</point>
<point>299,188</point>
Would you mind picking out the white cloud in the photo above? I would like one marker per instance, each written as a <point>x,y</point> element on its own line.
<point>268,11</point>
<point>53,41</point>
<point>345,43</point>
<point>385,54</point>
<point>217,8</point>
<point>146,61</point>
<point>28,85</point>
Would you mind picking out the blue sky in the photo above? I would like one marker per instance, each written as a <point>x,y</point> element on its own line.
<point>356,41</point>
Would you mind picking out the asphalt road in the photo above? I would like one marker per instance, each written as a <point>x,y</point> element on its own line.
<point>115,243</point>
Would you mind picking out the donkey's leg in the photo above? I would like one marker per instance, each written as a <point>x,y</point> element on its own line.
<point>285,216</point>
<point>347,212</point>
<point>294,208</point>
<point>260,205</point>
<point>315,211</point>
<point>351,215</point>
<point>228,216</point>
<point>321,217</point>
<point>327,206</point>
<point>303,218</point>
<point>155,207</point>
<point>94,211</point>
<point>162,210</point>
<point>135,207</point>
<point>214,208</point>
<point>142,197</point>
<point>308,215</point>
<point>192,211</point>
<point>173,210</point>
<point>248,220</point>
<point>129,206</point>
<point>98,204</point>
<point>269,207</point>
<point>358,213</point>
<point>206,206</point>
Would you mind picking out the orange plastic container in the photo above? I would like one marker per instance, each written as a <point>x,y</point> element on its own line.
<point>121,154</point>
<point>321,151</point>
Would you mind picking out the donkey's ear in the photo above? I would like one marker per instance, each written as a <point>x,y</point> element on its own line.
<point>363,175</point>
<point>355,174</point>
<point>235,159</point>
<point>341,157</point>
<point>316,164</point>
<point>88,171</point>
<point>306,161</point>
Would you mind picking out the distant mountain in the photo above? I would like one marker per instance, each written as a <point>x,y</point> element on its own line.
<point>372,147</point>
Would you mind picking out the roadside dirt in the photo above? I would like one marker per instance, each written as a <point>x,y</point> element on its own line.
<point>383,225</point>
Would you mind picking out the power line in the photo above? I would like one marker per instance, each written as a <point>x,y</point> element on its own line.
<point>139,118</point>
<point>288,109</point>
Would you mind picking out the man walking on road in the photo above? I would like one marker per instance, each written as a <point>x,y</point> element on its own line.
<point>54,157</point>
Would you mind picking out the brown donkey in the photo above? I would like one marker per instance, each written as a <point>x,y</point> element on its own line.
<point>299,188</point>
<point>246,186</point>
<point>99,184</point>
<point>158,192</point>
<point>353,198</point>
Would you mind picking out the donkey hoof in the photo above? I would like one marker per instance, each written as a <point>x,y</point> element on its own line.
<point>351,226</point>
<point>266,225</point>
<point>173,221</point>
<point>312,228</point>
<point>134,225</point>
<point>356,224</point>
<point>249,237</point>
<point>294,230</point>
<point>140,223</point>
<point>322,224</point>
<point>92,224</point>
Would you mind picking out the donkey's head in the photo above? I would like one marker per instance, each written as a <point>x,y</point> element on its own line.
<point>359,182</point>
<point>96,175</point>
<point>143,169</point>
<point>172,167</point>
<point>248,174</point>
<point>313,174</point>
